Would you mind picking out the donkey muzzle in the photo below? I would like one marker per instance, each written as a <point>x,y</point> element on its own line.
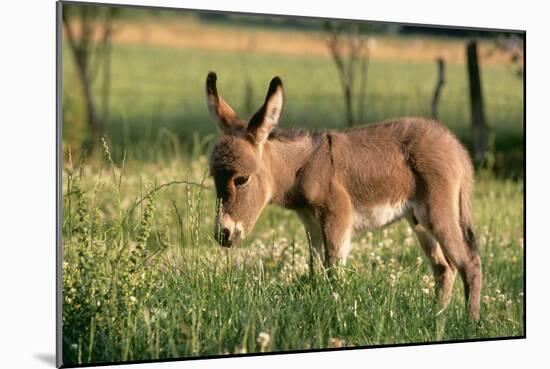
<point>228,231</point>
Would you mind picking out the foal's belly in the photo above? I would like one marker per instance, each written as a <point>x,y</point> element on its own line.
<point>378,216</point>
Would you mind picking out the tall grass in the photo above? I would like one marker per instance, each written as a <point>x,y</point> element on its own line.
<point>144,279</point>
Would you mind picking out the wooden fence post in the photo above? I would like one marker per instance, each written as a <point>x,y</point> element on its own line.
<point>438,86</point>
<point>480,130</point>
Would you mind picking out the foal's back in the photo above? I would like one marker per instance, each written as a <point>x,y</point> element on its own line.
<point>398,160</point>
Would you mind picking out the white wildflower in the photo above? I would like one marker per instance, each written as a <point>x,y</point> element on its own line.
<point>240,350</point>
<point>263,340</point>
<point>392,279</point>
<point>336,342</point>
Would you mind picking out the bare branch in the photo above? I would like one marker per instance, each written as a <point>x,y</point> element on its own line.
<point>348,48</point>
<point>70,32</point>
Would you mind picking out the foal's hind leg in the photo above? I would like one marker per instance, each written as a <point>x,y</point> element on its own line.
<point>444,273</point>
<point>444,224</point>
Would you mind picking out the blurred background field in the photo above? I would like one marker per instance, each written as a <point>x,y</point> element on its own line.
<point>159,63</point>
<point>143,277</point>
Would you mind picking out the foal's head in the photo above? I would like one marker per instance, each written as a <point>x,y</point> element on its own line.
<point>241,172</point>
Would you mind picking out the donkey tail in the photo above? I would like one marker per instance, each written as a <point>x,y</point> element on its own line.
<point>466,219</point>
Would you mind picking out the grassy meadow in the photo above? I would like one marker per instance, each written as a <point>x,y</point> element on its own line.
<point>143,277</point>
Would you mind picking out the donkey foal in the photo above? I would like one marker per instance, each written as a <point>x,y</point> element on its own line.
<point>341,182</point>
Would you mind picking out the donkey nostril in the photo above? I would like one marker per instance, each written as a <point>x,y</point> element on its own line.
<point>225,234</point>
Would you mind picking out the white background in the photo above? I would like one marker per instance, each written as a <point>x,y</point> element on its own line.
<point>27,181</point>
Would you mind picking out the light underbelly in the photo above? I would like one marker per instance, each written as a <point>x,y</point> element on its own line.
<point>378,216</point>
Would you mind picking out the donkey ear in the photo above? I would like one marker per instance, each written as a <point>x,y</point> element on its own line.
<point>226,117</point>
<point>265,119</point>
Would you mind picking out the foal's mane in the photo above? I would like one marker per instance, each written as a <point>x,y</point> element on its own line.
<point>292,134</point>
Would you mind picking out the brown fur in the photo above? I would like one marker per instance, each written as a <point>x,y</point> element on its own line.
<point>340,182</point>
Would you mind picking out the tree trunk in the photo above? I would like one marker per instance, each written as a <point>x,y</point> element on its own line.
<point>95,124</point>
<point>84,49</point>
<point>480,130</point>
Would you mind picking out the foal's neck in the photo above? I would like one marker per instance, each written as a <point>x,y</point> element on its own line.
<point>287,156</point>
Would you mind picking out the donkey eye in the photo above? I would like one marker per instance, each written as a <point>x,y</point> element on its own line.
<point>241,180</point>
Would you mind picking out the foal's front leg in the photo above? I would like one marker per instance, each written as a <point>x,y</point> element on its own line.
<point>314,238</point>
<point>337,225</point>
